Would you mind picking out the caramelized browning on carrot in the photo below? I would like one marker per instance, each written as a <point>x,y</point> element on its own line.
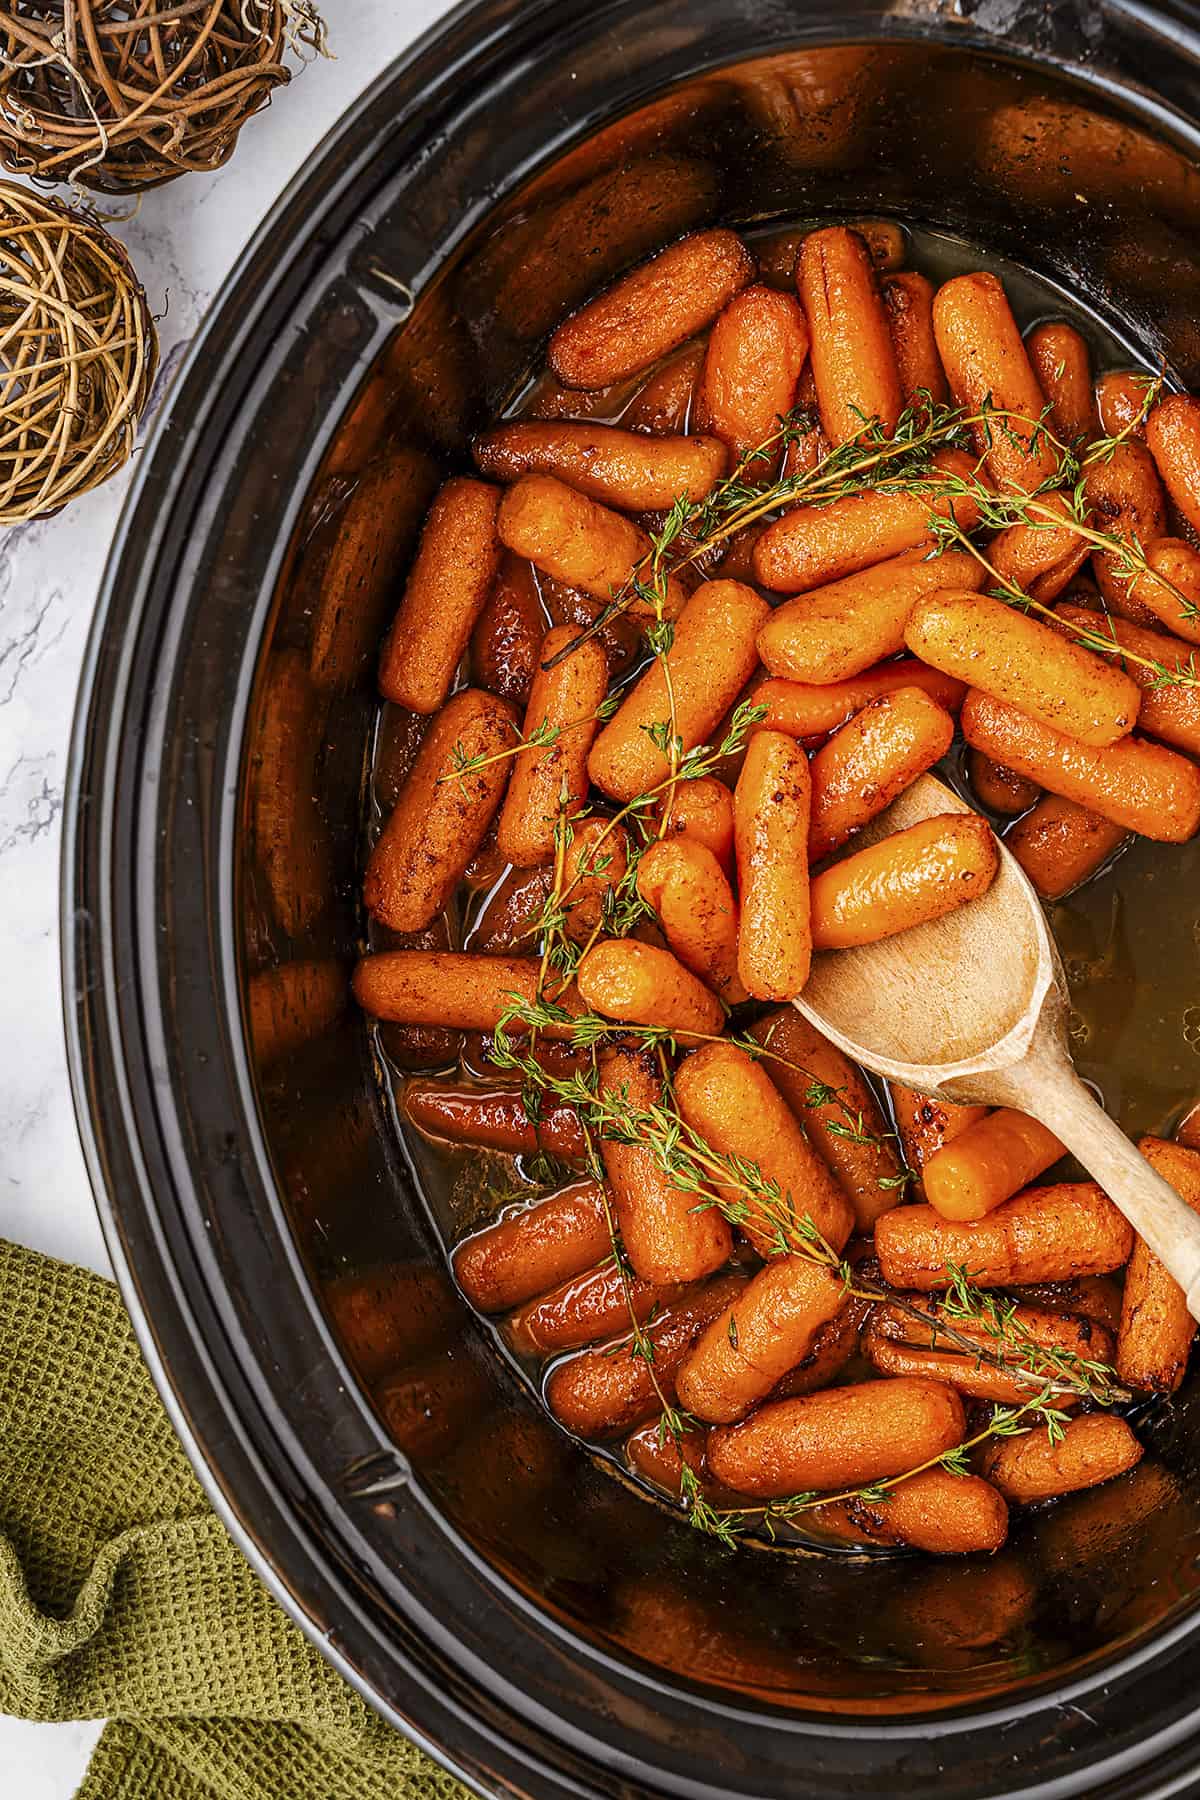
<point>987,367</point>
<point>998,788</point>
<point>925,1125</point>
<point>904,880</point>
<point>530,1250</point>
<point>626,469</point>
<point>755,353</point>
<point>1090,1450</point>
<point>950,1515</point>
<point>701,810</point>
<point>772,803</point>
<point>446,591</point>
<point>1044,1234</point>
<point>1059,844</point>
<point>805,710</point>
<point>870,761</point>
<point>853,363</point>
<point>1125,497</point>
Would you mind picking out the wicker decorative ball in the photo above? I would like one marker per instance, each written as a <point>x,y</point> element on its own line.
<point>78,355</point>
<point>124,94</point>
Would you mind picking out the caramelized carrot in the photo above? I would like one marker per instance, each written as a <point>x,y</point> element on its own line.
<point>495,1117</point>
<point>1136,784</point>
<point>668,1232</point>
<point>534,1248</point>
<point>1041,557</point>
<point>642,985</point>
<point>765,1331</point>
<point>870,761</point>
<point>550,782</point>
<point>440,819</point>
<point>949,1515</point>
<point>844,1437</point>
<point>998,788</point>
<point>728,1100</point>
<point>832,1348</point>
<point>1171,590</point>
<point>663,404</point>
<point>1060,844</point>
<point>447,589</point>
<point>809,446</point>
<point>989,1164</point>
<point>391,1314</point>
<point>594,864</point>
<point>1169,710</point>
<point>771,806</point>
<point>686,886</point>
<point>1045,1234</point>
<point>1173,435</point>
<point>450,988</point>
<point>710,660</point>
<point>1125,499</point>
<point>1062,364</point>
<point>986,365</point>
<point>1156,1328</point>
<point>701,810</point>
<point>836,1106</point>
<point>904,880</point>
<point>652,310</point>
<point>811,546</point>
<point>908,300</point>
<point>584,1309</point>
<point>626,469</point>
<point>659,1456</point>
<point>1121,396</point>
<point>576,540</point>
<point>755,353</point>
<point>1052,1329</point>
<point>961,1370</point>
<point>509,632</point>
<point>925,1124</point>
<point>1095,1297</point>
<point>840,630</point>
<point>1007,654</point>
<point>1089,1450</point>
<point>853,363</point>
<point>803,709</point>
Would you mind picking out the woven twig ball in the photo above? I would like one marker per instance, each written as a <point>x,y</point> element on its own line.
<point>78,355</point>
<point>124,94</point>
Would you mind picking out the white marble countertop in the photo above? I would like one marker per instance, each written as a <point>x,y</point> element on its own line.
<point>184,239</point>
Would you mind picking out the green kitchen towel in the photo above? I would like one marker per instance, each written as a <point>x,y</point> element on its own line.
<point>123,1597</point>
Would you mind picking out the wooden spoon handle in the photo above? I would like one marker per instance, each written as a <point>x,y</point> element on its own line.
<point>1055,1095</point>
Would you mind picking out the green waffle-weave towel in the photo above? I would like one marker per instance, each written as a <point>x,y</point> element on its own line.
<point>123,1597</point>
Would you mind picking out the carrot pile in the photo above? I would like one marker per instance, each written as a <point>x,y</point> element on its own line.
<point>625,830</point>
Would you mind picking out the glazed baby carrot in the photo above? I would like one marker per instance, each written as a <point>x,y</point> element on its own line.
<point>771,806</point>
<point>997,787</point>
<point>531,1250</point>
<point>576,540</point>
<point>1051,1329</point>
<point>778,254</point>
<point>652,310</point>
<point>626,469</point>
<point>870,761</point>
<point>509,632</point>
<point>949,1515</point>
<point>1173,435</point>
<point>450,988</point>
<point>1125,499</point>
<point>1041,557</point>
<point>1062,365</point>
<point>1156,1328</point>
<point>904,880</point>
<point>658,1457</point>
<point>1135,784</point>
<point>811,546</point>
<point>961,1370</point>
<point>925,1124</point>
<point>594,864</point>
<point>663,405</point>
<point>1169,710</point>
<point>447,588</point>
<point>496,1117</point>
<point>840,630</point>
<point>755,353</point>
<point>837,1108</point>
<point>551,781</point>
<point>988,1164</point>
<point>832,1348</point>
<point>805,710</point>
<point>1045,1234</point>
<point>643,985</point>
<point>727,1099</point>
<point>440,819</point>
<point>809,446</point>
<point>765,1331</point>
<point>1089,1450</point>
<point>842,1438</point>
<point>853,363</point>
<point>596,1304</point>
<point>604,1393</point>
<point>668,1232</point>
<point>1013,657</point>
<point>701,810</point>
<point>685,884</point>
<point>708,664</point>
<point>1171,590</point>
<point>1095,1297</point>
<point>987,365</point>
<point>388,1315</point>
<point>908,301</point>
<point>1059,844</point>
<point>1121,396</point>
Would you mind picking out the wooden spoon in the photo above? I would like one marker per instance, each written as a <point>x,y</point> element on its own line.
<point>973,1008</point>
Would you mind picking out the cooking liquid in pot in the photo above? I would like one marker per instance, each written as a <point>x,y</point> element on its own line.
<point>1130,936</point>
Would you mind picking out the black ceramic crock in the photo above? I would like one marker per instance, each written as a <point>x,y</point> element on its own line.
<point>540,1628</point>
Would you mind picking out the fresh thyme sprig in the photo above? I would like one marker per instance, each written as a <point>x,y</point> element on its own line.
<point>543,737</point>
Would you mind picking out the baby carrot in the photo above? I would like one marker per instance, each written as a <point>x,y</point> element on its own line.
<point>755,353</point>
<point>576,540</point>
<point>1007,654</point>
<point>462,1113</point>
<point>584,1309</point>
<point>961,1370</point>
<point>870,761</point>
<point>1121,396</point>
<point>989,1164</point>
<point>1173,435</point>
<point>1156,1328</point>
<point>908,301</point>
<point>445,593</point>
<point>627,469</point>
<point>803,709</point>
<point>551,781</point>
<point>443,811</point>
<point>772,804</point>
<point>529,1251</point>
<point>811,546</point>
<point>594,863</point>
<point>997,787</point>
<point>663,405</point>
<point>1136,784</point>
<point>1062,364</point>
<point>987,365</point>
<point>643,985</point>
<point>710,660</point>
<point>685,884</point>
<point>1089,1450</point>
<point>765,1331</point>
<point>1171,588</point>
<point>701,810</point>
<point>1042,557</point>
<point>949,1515</point>
<point>1125,498</point>
<point>508,633</point>
<point>853,363</point>
<point>838,631</point>
<point>903,880</point>
<point>1059,844</point>
<point>452,989</point>
<point>1169,710</point>
<point>651,311</point>
<point>1044,1234</point>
